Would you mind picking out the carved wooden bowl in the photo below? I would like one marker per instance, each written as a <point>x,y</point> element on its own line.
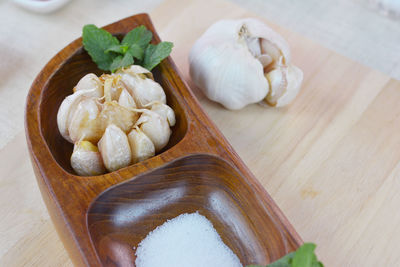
<point>101,219</point>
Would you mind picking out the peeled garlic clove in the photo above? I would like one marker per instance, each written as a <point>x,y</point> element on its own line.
<point>67,110</point>
<point>155,127</point>
<point>285,85</point>
<point>165,111</point>
<point>125,100</point>
<point>84,123</point>
<point>113,113</point>
<point>142,147</point>
<point>142,89</point>
<point>86,159</point>
<point>114,148</point>
<point>90,82</point>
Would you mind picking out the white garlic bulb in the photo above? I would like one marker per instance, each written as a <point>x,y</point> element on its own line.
<point>143,89</point>
<point>90,82</point>
<point>142,147</point>
<point>114,148</point>
<point>156,127</point>
<point>232,60</point>
<point>86,159</point>
<point>166,111</point>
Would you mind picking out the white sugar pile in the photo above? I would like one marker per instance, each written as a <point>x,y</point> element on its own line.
<point>187,240</point>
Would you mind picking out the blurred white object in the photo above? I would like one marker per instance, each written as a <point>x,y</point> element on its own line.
<point>41,6</point>
<point>387,7</point>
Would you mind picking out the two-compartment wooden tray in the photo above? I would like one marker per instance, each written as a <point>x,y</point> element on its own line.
<point>101,219</point>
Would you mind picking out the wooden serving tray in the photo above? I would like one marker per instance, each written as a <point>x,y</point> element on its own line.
<point>101,219</point>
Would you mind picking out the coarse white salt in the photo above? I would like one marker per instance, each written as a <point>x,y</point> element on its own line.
<point>187,240</point>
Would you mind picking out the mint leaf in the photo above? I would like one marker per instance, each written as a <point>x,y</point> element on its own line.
<point>120,49</point>
<point>136,51</point>
<point>304,256</point>
<point>154,54</point>
<point>140,36</point>
<point>96,41</point>
<point>121,61</point>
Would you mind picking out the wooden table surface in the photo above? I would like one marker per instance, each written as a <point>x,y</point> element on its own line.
<point>331,160</point>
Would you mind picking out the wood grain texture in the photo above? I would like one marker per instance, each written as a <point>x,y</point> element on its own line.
<point>331,159</point>
<point>194,134</point>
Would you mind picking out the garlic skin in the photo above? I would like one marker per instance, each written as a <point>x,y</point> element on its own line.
<point>90,82</point>
<point>231,61</point>
<point>155,127</point>
<point>114,148</point>
<point>142,147</point>
<point>86,159</point>
<point>166,111</point>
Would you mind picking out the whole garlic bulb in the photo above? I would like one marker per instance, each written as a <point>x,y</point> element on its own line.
<point>86,159</point>
<point>231,61</point>
<point>114,148</point>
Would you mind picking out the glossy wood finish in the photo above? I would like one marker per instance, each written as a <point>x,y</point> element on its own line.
<point>68,196</point>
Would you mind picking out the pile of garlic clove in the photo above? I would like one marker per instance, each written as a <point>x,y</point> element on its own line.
<point>239,62</point>
<point>115,120</point>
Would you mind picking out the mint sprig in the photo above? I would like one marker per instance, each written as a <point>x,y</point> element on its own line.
<point>304,256</point>
<point>110,54</point>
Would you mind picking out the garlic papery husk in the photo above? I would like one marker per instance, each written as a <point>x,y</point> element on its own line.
<point>142,147</point>
<point>112,86</point>
<point>84,123</point>
<point>126,100</point>
<point>144,90</point>
<point>67,110</point>
<point>90,82</point>
<point>166,111</point>
<point>113,113</point>
<point>231,60</point>
<point>86,159</point>
<point>114,148</point>
<point>155,127</point>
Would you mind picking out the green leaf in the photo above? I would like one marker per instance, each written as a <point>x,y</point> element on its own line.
<point>285,261</point>
<point>96,41</point>
<point>120,49</point>
<point>140,36</point>
<point>136,51</point>
<point>154,54</point>
<point>121,61</point>
<point>305,256</point>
